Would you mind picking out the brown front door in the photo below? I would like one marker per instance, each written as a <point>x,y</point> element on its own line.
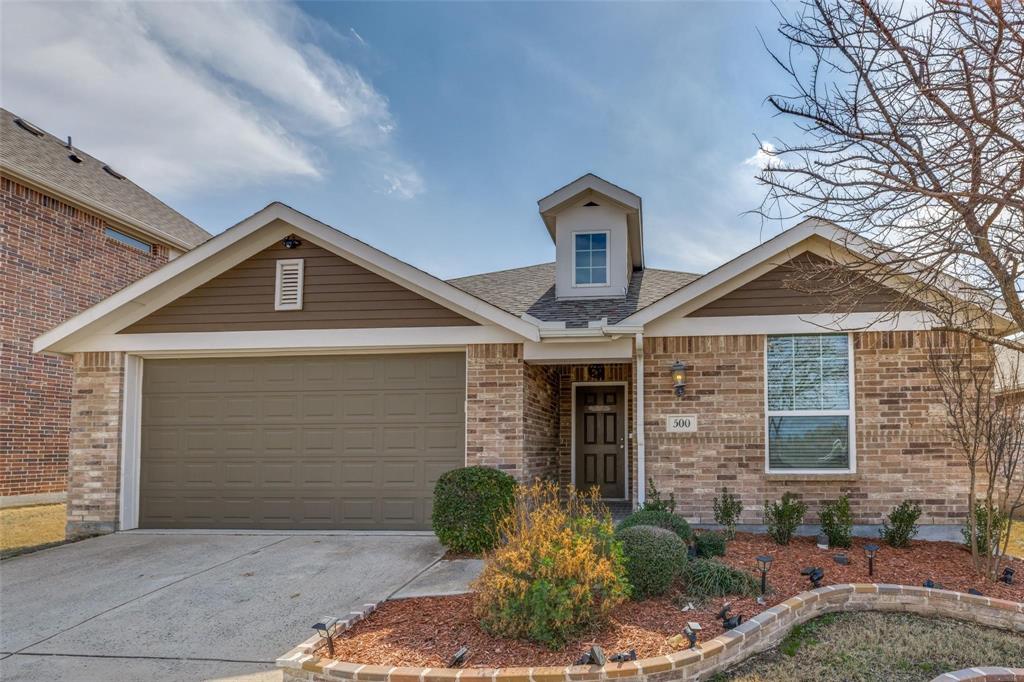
<point>601,439</point>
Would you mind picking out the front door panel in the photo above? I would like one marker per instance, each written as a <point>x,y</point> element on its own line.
<point>600,439</point>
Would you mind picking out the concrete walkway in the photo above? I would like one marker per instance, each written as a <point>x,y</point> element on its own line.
<point>189,606</point>
<point>443,578</point>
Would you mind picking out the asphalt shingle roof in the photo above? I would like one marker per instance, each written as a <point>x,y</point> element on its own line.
<point>45,157</point>
<point>531,290</point>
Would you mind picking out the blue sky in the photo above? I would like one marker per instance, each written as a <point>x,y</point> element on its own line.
<point>426,129</point>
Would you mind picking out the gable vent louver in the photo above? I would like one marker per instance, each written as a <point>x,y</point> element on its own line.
<point>288,284</point>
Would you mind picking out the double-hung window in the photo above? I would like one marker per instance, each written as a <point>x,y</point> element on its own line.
<point>590,259</point>
<point>809,416</point>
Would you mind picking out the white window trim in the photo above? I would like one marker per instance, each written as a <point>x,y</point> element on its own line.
<point>850,413</point>
<point>607,259</point>
<point>281,264</point>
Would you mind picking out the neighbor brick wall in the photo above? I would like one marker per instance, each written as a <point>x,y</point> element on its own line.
<point>56,262</point>
<point>902,449</point>
<point>540,422</point>
<point>95,443</point>
<point>494,407</point>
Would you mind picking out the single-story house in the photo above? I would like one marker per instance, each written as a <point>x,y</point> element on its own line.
<point>287,375</point>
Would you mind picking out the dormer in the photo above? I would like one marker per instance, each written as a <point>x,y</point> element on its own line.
<point>598,233</point>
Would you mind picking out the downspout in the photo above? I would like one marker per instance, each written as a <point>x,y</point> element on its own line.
<point>638,412</point>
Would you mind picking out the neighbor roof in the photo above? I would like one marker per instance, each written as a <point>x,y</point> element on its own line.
<point>531,291</point>
<point>43,160</point>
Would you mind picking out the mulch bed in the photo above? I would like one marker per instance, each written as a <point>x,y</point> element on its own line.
<point>426,631</point>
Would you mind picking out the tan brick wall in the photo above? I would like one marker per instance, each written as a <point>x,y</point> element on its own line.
<point>56,262</point>
<point>95,443</point>
<point>540,422</point>
<point>902,450</point>
<point>494,407</point>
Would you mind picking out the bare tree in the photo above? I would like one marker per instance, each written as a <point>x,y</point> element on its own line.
<point>990,435</point>
<point>912,138</point>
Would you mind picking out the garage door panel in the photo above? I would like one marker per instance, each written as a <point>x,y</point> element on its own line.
<point>307,442</point>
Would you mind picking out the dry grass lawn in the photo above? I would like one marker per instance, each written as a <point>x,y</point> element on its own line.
<point>23,527</point>
<point>887,647</point>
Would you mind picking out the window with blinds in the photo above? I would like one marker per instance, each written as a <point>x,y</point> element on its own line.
<point>288,284</point>
<point>809,403</point>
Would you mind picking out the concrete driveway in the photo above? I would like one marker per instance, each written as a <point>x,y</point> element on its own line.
<point>189,605</point>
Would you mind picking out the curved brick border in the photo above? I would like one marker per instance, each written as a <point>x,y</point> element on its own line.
<point>983,675</point>
<point>761,632</point>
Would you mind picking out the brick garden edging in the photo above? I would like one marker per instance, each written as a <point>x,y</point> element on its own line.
<point>761,632</point>
<point>983,675</point>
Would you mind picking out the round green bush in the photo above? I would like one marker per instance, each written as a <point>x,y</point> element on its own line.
<point>655,557</point>
<point>709,543</point>
<point>469,504</point>
<point>662,519</point>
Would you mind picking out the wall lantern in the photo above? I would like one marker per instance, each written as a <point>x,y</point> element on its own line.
<point>291,242</point>
<point>326,628</point>
<point>679,377</point>
<point>871,551</point>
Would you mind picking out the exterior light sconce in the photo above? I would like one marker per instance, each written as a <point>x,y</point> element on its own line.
<point>764,564</point>
<point>871,551</point>
<point>326,628</point>
<point>679,378</point>
<point>291,242</point>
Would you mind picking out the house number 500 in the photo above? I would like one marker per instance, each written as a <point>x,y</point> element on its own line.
<point>681,423</point>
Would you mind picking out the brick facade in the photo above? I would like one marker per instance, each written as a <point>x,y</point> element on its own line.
<point>902,450</point>
<point>56,262</point>
<point>494,407</point>
<point>540,422</point>
<point>95,443</point>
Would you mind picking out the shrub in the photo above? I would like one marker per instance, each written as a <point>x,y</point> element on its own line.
<point>661,518</point>
<point>708,543</point>
<point>987,542</point>
<point>558,572</point>
<point>783,517</point>
<point>707,578</point>
<point>837,522</point>
<point>655,557</point>
<point>727,510</point>
<point>654,501</point>
<point>901,525</point>
<point>469,504</point>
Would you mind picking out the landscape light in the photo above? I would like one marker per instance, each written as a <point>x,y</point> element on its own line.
<point>624,656</point>
<point>871,550</point>
<point>814,574</point>
<point>593,657</point>
<point>326,629</point>
<point>692,632</point>
<point>733,622</point>
<point>459,657</point>
<point>764,564</point>
<point>1007,576</point>
<point>975,592</point>
<point>841,559</point>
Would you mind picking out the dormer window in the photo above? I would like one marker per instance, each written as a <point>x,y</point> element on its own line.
<point>590,259</point>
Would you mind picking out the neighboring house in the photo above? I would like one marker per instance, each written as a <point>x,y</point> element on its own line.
<point>286,375</point>
<point>72,232</point>
<point>1010,375</point>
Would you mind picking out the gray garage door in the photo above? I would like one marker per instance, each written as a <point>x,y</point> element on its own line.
<point>301,442</point>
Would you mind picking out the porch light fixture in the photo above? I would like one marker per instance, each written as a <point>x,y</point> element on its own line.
<point>692,632</point>
<point>871,550</point>
<point>291,242</point>
<point>326,628</point>
<point>679,377</point>
<point>764,564</point>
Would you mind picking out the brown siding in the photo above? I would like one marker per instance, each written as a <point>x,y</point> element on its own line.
<point>771,294</point>
<point>337,294</point>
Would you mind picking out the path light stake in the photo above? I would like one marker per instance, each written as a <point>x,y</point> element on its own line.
<point>734,622</point>
<point>692,632</point>
<point>593,657</point>
<point>624,656</point>
<point>1007,576</point>
<point>975,592</point>
<point>764,563</point>
<point>460,657</point>
<point>871,551</point>
<point>326,629</point>
<point>723,613</point>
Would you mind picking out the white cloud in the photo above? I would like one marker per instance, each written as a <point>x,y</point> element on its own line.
<point>180,96</point>
<point>763,157</point>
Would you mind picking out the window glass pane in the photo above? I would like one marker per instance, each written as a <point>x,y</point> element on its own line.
<point>820,442</point>
<point>808,372</point>
<point>583,259</point>
<point>780,372</point>
<point>583,242</point>
<point>835,373</point>
<point>598,240</point>
<point>582,275</point>
<point>598,276</point>
<point>599,258</point>
<point>129,240</point>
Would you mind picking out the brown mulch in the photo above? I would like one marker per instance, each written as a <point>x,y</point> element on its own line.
<point>426,631</point>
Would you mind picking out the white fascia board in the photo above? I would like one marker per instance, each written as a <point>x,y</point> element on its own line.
<point>616,350</point>
<point>216,255</point>
<point>742,325</point>
<point>305,340</point>
<point>593,183</point>
<point>572,332</point>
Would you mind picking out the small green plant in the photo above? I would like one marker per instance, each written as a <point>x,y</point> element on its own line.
<point>805,633</point>
<point>655,557</point>
<point>469,504</point>
<point>708,543</point>
<point>662,518</point>
<point>900,526</point>
<point>727,510</point>
<point>707,578</point>
<point>837,522</point>
<point>783,518</point>
<point>987,542</point>
<point>654,501</point>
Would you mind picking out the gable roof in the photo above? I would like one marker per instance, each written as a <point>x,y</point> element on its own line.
<point>232,246</point>
<point>531,291</point>
<point>42,160</point>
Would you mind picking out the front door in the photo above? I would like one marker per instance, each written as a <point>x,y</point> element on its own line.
<point>601,439</point>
